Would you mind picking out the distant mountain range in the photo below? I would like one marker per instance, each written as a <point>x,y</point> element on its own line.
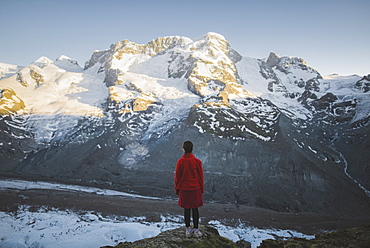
<point>272,133</point>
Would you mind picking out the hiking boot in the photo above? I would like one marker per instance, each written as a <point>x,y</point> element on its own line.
<point>188,232</point>
<point>197,233</point>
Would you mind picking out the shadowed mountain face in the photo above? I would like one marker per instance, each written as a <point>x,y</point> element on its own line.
<point>271,133</point>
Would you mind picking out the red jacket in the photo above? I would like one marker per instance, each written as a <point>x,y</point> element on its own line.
<point>189,173</point>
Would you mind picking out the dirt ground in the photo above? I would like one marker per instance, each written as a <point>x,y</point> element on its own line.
<point>230,214</point>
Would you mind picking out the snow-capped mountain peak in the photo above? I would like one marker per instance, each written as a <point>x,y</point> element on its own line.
<point>42,61</point>
<point>269,120</point>
<point>47,87</point>
<point>67,64</point>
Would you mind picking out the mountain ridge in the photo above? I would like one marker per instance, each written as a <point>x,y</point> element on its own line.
<point>286,132</point>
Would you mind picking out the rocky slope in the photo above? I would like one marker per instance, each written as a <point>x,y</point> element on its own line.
<point>272,133</point>
<point>354,237</point>
<point>176,238</point>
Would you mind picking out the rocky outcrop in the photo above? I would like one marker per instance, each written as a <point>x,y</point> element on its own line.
<point>281,70</point>
<point>286,64</point>
<point>363,84</point>
<point>355,237</point>
<point>239,120</point>
<point>39,78</point>
<point>10,103</point>
<point>176,239</point>
<point>272,60</point>
<point>214,62</point>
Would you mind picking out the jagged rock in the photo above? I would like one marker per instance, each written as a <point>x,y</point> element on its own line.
<point>355,238</point>
<point>9,102</point>
<point>96,57</point>
<point>234,55</point>
<point>21,79</point>
<point>176,239</point>
<point>235,121</point>
<point>313,84</point>
<point>285,64</point>
<point>37,77</point>
<point>273,60</point>
<point>344,111</point>
<point>180,66</point>
<point>363,84</point>
<point>307,97</point>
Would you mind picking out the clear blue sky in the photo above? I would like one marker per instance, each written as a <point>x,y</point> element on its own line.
<point>332,36</point>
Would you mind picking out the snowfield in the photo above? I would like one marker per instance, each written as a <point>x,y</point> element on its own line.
<point>56,228</point>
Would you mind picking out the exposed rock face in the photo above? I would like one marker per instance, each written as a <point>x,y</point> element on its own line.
<point>364,84</point>
<point>21,79</point>
<point>176,238</point>
<point>273,60</point>
<point>9,102</point>
<point>37,77</point>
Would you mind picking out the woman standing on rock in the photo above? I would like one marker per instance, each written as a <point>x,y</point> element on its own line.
<point>189,186</point>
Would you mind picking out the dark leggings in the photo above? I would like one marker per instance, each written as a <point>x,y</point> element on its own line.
<point>195,212</point>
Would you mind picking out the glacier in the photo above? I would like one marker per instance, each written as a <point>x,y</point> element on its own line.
<point>272,132</point>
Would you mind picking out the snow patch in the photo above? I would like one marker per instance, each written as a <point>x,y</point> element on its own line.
<point>26,185</point>
<point>56,228</point>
